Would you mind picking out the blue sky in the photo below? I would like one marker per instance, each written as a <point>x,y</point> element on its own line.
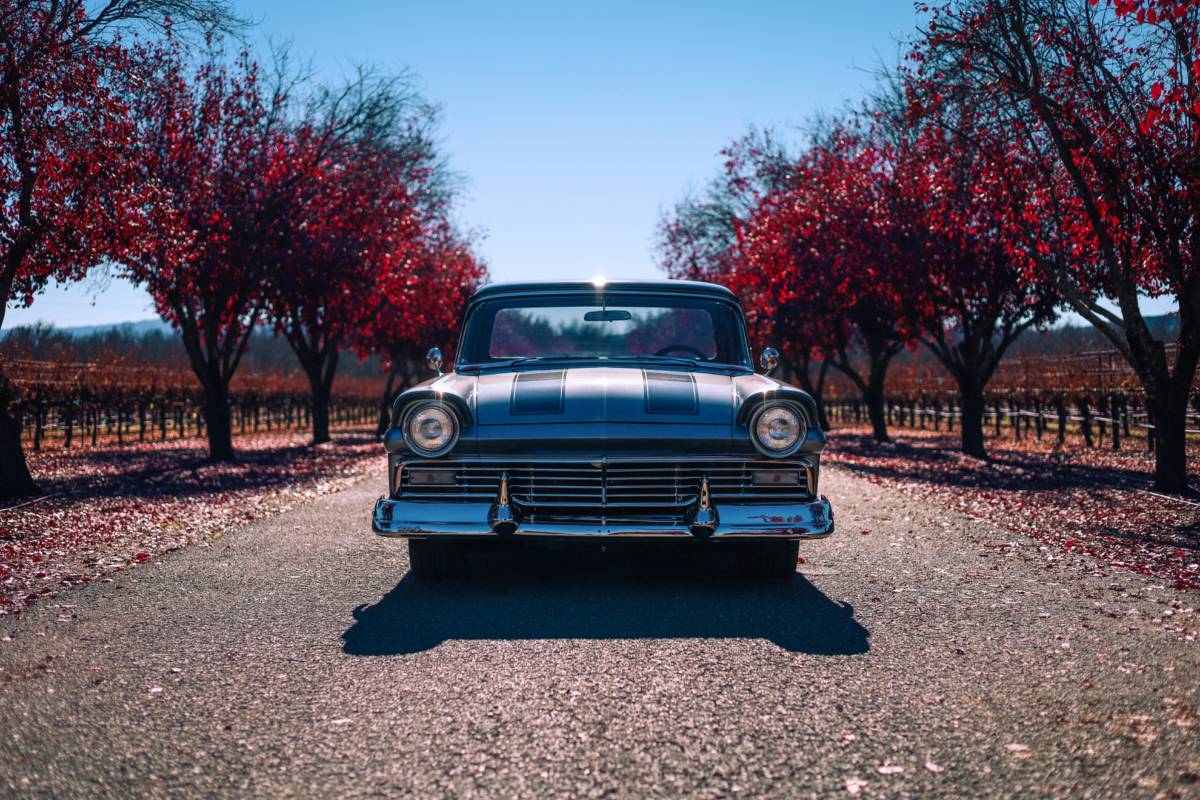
<point>573,123</point>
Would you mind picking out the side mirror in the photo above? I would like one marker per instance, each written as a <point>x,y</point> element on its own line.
<point>768,359</point>
<point>434,359</point>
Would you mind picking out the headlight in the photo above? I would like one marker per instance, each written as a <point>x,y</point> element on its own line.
<point>778,429</point>
<point>431,429</point>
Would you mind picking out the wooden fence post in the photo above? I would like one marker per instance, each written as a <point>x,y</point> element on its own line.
<point>39,422</point>
<point>1060,407</point>
<point>1085,411</point>
<point>1149,429</point>
<point>1114,406</point>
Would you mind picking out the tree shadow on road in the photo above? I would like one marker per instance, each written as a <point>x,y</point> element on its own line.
<point>183,471</point>
<point>939,461</point>
<point>583,594</point>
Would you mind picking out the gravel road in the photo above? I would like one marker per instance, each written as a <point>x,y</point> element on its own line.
<point>918,654</point>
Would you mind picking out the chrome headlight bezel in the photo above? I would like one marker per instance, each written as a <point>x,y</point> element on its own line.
<point>451,420</point>
<point>801,428</point>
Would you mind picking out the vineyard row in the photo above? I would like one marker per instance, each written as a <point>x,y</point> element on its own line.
<point>71,424</point>
<point>1095,418</point>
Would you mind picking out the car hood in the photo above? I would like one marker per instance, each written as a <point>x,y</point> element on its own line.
<point>603,394</point>
<point>601,408</point>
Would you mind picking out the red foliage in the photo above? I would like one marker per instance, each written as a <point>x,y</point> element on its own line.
<point>367,257</point>
<point>351,220</point>
<point>63,148</point>
<point>421,305</point>
<point>207,160</point>
<point>967,192</point>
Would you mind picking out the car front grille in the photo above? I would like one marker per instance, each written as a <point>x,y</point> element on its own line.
<point>619,488</point>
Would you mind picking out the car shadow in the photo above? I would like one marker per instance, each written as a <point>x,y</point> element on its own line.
<point>582,593</point>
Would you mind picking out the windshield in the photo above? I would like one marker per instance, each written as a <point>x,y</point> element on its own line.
<point>610,326</point>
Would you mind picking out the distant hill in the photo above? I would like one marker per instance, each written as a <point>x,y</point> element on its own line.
<point>138,328</point>
<point>131,328</point>
<point>152,343</point>
<point>1083,338</point>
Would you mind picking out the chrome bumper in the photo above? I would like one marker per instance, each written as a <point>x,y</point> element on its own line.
<point>415,518</point>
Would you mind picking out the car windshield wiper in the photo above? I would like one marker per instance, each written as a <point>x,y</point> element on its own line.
<point>694,362</point>
<point>516,362</point>
<point>513,362</point>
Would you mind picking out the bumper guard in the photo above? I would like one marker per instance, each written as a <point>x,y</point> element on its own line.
<point>466,520</point>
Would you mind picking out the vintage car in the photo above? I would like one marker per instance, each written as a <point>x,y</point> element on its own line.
<point>602,411</point>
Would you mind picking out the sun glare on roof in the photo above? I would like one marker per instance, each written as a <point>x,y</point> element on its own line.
<point>599,281</point>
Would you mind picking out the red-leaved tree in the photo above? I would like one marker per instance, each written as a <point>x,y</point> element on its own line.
<point>351,223</point>
<point>698,239</point>
<point>1103,95</point>
<point>348,221</point>
<point>968,190</point>
<point>236,165</point>
<point>834,250</point>
<point>420,306</point>
<point>208,139</point>
<point>64,132</point>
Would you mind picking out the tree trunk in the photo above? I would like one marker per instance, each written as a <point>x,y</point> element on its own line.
<point>218,422</point>
<point>972,403</point>
<point>1114,406</point>
<point>320,372</point>
<point>320,413</point>
<point>1060,408</point>
<point>1170,439</point>
<point>15,480</point>
<point>876,412</point>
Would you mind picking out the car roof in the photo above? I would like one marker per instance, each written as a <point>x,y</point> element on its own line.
<point>543,287</point>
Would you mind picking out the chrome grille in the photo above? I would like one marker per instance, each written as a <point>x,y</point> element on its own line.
<point>624,486</point>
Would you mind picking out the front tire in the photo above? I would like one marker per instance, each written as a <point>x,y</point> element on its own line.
<point>771,559</point>
<point>430,559</point>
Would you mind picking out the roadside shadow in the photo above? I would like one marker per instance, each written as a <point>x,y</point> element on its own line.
<point>1005,469</point>
<point>182,471</point>
<point>613,596</point>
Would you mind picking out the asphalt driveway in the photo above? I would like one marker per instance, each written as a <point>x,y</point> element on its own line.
<point>917,653</point>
